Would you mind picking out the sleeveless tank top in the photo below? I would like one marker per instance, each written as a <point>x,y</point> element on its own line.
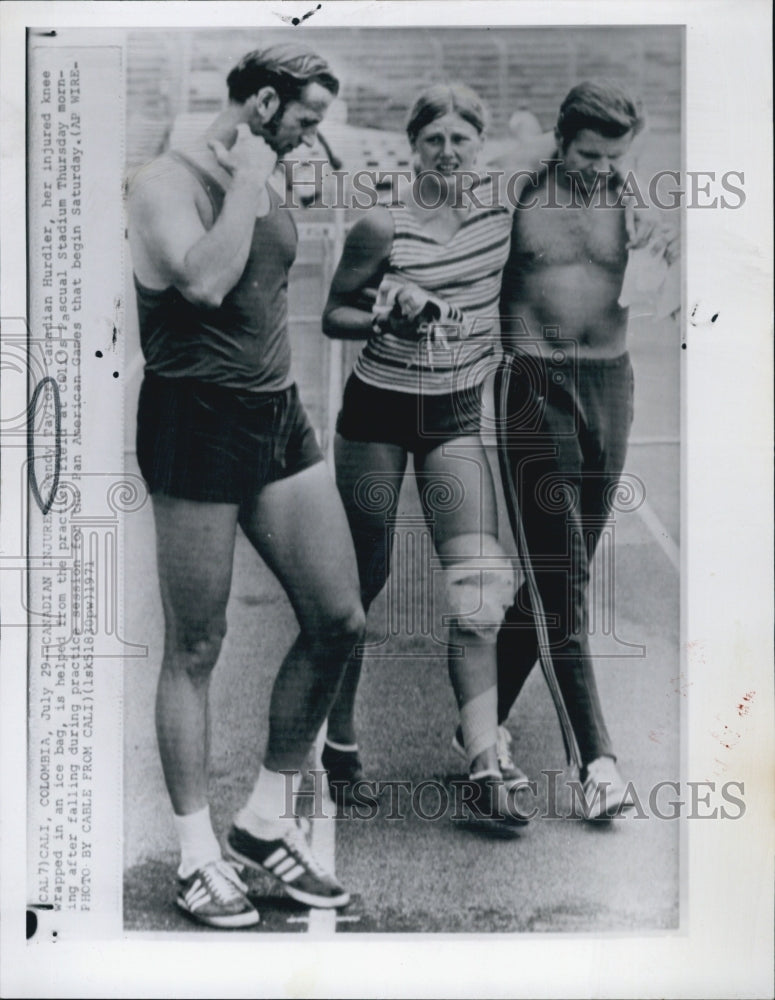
<point>243,344</point>
<point>466,273</point>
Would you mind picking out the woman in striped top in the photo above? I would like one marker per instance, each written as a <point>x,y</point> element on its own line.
<point>420,281</point>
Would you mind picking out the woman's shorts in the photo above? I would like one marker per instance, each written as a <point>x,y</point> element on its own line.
<point>205,442</point>
<point>417,423</point>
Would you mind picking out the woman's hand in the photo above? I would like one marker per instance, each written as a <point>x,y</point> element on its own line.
<point>411,300</point>
<point>397,306</point>
<point>406,310</point>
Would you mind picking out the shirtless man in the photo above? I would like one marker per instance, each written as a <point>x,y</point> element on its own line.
<point>222,439</point>
<point>564,398</point>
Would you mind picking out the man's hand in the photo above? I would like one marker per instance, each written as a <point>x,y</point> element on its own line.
<point>647,228</point>
<point>640,225</point>
<point>251,156</point>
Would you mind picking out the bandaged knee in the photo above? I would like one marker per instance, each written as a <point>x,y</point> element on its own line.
<point>478,596</point>
<point>479,722</point>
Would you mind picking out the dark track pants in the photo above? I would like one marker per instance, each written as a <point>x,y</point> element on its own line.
<point>562,441</point>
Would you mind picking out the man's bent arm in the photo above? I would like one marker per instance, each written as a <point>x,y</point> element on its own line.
<point>204,265</point>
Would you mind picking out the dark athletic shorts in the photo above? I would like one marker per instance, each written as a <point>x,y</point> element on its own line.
<point>204,442</point>
<point>417,423</point>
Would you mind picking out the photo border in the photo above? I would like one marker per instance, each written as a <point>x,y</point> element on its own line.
<point>725,943</point>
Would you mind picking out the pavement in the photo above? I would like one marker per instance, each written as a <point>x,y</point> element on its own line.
<point>415,874</point>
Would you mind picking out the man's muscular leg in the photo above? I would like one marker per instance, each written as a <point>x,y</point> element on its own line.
<point>195,547</point>
<point>299,528</point>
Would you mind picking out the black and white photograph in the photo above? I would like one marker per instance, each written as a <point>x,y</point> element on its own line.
<point>385,429</point>
<point>386,595</point>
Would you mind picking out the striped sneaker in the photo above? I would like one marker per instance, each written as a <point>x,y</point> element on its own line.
<point>292,863</point>
<point>490,806</point>
<point>215,895</point>
<point>512,775</point>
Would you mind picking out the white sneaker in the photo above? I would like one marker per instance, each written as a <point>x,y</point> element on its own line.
<point>215,895</point>
<point>604,790</point>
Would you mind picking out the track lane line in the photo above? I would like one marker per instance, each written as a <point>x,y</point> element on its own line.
<point>323,842</point>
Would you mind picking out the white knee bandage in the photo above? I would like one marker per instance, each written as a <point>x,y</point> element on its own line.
<point>478,594</point>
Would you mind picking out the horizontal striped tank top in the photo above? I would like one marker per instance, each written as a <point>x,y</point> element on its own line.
<point>466,273</point>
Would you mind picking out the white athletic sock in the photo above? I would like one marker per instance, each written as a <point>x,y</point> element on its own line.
<point>270,807</point>
<point>198,843</point>
<point>479,722</point>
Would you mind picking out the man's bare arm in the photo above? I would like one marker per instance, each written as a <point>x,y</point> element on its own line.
<point>203,264</point>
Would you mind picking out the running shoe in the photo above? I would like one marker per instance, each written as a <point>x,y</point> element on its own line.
<point>604,790</point>
<point>290,860</point>
<point>215,895</point>
<point>513,776</point>
<point>489,805</point>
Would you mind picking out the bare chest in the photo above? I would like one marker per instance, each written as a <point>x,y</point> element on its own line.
<point>547,236</point>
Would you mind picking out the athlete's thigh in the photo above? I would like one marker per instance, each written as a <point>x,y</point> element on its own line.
<point>369,475</point>
<point>457,491</point>
<point>195,555</point>
<point>298,526</point>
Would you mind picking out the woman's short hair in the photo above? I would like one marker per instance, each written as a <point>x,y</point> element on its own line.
<point>443,99</point>
<point>287,68</point>
<point>601,106</point>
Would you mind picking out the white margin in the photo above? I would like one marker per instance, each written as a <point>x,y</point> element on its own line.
<point>726,949</point>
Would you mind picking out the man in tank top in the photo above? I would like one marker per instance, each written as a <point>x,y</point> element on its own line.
<point>222,439</point>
